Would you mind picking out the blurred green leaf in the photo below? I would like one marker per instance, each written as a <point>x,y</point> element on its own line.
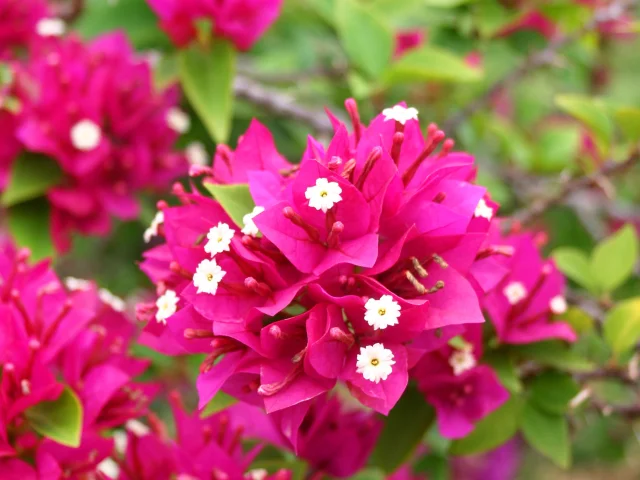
<point>207,79</point>
<point>369,474</point>
<point>135,17</point>
<point>552,391</point>
<point>580,321</point>
<point>365,36</point>
<point>31,176</point>
<point>554,353</point>
<point>218,403</point>
<point>446,3</point>
<point>622,325</point>
<point>505,368</point>
<point>403,430</point>
<point>235,200</point>
<point>430,63</point>
<point>592,113</point>
<point>491,17</point>
<point>557,148</point>
<point>628,119</point>
<point>29,225</point>
<point>575,265</point>
<point>434,465</point>
<point>549,434</point>
<point>492,431</point>
<point>60,420</point>
<point>613,259</point>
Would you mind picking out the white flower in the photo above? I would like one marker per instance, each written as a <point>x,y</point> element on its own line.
<point>197,154</point>
<point>138,428</point>
<point>73,283</point>
<point>219,239</point>
<point>400,114</point>
<point>50,27</point>
<point>461,361</point>
<point>483,210</point>
<point>323,195</point>
<point>152,231</point>
<point>250,228</point>
<point>207,277</point>
<point>374,362</point>
<point>86,135</point>
<point>109,467</point>
<point>110,299</point>
<point>558,305</point>
<point>382,313</point>
<point>258,474</point>
<point>167,305</point>
<point>120,441</point>
<point>178,120</point>
<point>515,292</point>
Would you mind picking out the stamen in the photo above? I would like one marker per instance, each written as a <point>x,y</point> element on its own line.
<point>373,157</point>
<point>333,239</point>
<point>415,283</point>
<point>298,221</point>
<point>48,334</point>
<point>417,266</point>
<point>178,270</point>
<point>299,356</point>
<point>191,333</point>
<point>440,261</point>
<point>396,146</point>
<point>336,333</point>
<point>220,346</point>
<point>434,137</point>
<point>447,146</point>
<point>506,250</point>
<point>254,244</point>
<point>352,109</point>
<point>438,286</point>
<point>178,190</point>
<point>270,389</point>
<point>260,288</point>
<point>235,440</point>
<point>348,169</point>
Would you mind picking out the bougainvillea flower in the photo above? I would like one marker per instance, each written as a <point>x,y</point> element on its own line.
<point>111,140</point>
<point>408,40</point>
<point>461,390</point>
<point>19,24</point>
<point>523,305</point>
<point>242,22</point>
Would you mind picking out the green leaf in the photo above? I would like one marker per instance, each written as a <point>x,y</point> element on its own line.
<point>552,391</point>
<point>445,3</point>
<point>207,79</point>
<point>580,321</point>
<point>217,404</point>
<point>549,434</point>
<point>403,430</point>
<point>557,148</point>
<point>492,431</point>
<point>574,264</point>
<point>434,465</point>
<point>628,119</point>
<point>622,325</point>
<point>366,38</point>
<point>31,176</point>
<point>135,17</point>
<point>614,258</point>
<point>369,474</point>
<point>556,354</point>
<point>29,224</point>
<point>235,200</point>
<point>504,367</point>
<point>430,63</point>
<point>59,420</point>
<point>592,113</point>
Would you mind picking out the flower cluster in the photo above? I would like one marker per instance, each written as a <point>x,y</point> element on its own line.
<point>242,22</point>
<point>61,339</point>
<point>349,268</point>
<point>93,109</point>
<point>24,23</point>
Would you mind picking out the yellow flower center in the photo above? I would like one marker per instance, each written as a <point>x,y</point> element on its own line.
<point>209,276</point>
<point>375,362</point>
<point>382,311</point>
<point>324,193</point>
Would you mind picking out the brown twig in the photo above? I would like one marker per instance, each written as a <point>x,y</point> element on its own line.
<point>281,104</point>
<point>537,60</point>
<point>541,205</point>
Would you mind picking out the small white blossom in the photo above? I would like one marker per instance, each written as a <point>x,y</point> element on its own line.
<point>558,305</point>
<point>110,299</point>
<point>219,239</point>
<point>400,114</point>
<point>382,313</point>
<point>50,27</point>
<point>197,154</point>
<point>374,362</point>
<point>207,277</point>
<point>483,210</point>
<point>25,386</point>
<point>461,361</point>
<point>109,467</point>
<point>515,292</point>
<point>138,428</point>
<point>167,305</point>
<point>323,195</point>
<point>258,474</point>
<point>86,135</point>
<point>178,120</point>
<point>120,441</point>
<point>73,283</point>
<point>250,228</point>
<point>152,231</point>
